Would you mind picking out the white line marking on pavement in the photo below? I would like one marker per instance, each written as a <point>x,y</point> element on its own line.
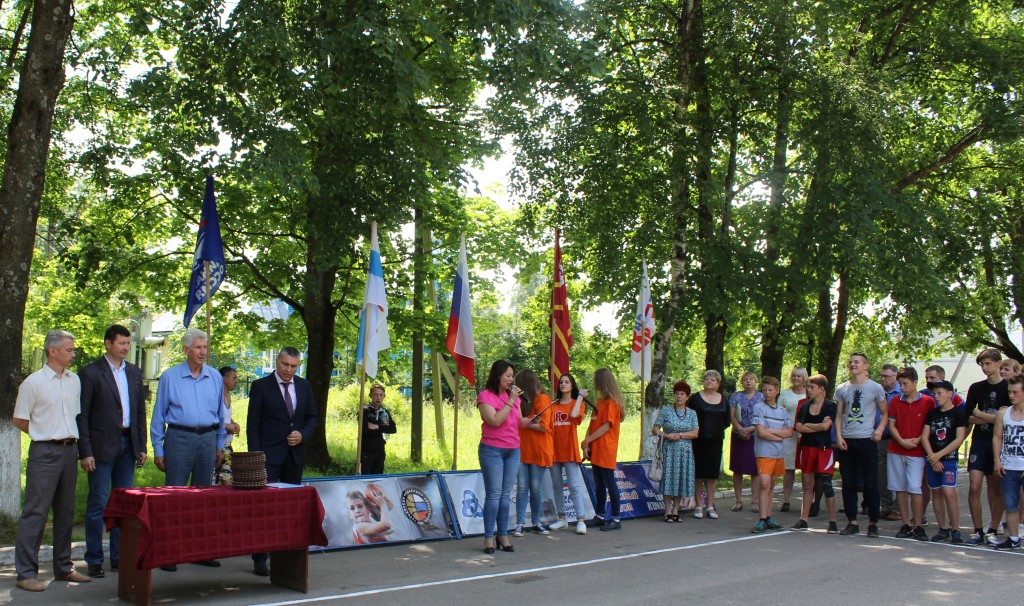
<point>496,575</point>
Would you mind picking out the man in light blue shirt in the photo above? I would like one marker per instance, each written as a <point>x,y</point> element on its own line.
<point>187,430</point>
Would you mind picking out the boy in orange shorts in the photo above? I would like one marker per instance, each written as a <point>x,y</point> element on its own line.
<point>814,458</point>
<point>772,426</point>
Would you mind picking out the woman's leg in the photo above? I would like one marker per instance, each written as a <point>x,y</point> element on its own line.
<point>558,486</point>
<point>807,481</point>
<point>613,490</point>
<point>577,489</point>
<point>536,478</point>
<point>491,468</point>
<point>509,469</point>
<point>522,493</point>
<point>787,485</point>
<point>600,490</point>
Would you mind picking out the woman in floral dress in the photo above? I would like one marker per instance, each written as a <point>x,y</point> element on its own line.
<point>677,426</point>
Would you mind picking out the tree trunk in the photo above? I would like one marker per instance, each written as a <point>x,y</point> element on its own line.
<point>28,145</point>
<point>319,315</point>
<point>835,335</point>
<point>782,297</point>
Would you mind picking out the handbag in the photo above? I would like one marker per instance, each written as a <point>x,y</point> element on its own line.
<point>656,468</point>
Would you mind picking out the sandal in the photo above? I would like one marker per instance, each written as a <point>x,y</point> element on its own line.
<point>675,518</point>
<point>668,518</point>
<point>712,513</point>
<point>755,507</point>
<point>738,506</point>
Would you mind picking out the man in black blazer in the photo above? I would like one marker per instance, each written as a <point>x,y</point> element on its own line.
<point>282,417</point>
<point>112,437</point>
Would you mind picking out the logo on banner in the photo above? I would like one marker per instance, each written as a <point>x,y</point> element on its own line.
<point>416,506</point>
<point>471,505</point>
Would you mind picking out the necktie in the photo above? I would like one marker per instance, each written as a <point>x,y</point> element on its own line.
<point>288,398</point>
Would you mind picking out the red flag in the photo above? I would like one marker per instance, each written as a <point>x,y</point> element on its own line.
<point>561,330</point>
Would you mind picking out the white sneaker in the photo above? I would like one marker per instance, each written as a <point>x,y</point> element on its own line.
<point>698,512</point>
<point>518,531</point>
<point>993,539</point>
<point>581,527</point>
<point>558,524</point>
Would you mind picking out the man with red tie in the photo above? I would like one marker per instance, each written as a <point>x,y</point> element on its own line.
<point>282,418</point>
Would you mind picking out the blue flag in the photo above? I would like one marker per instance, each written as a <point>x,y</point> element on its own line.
<point>209,247</point>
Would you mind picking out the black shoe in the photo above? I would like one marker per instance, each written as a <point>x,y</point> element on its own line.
<point>851,529</point>
<point>113,565</point>
<point>905,532</point>
<point>920,534</point>
<point>261,569</point>
<point>1009,544</point>
<point>170,568</point>
<point>96,571</point>
<point>813,513</point>
<point>785,507</point>
<point>872,531</point>
<point>595,522</point>
<point>801,525</point>
<point>611,525</point>
<point>208,563</point>
<point>832,528</point>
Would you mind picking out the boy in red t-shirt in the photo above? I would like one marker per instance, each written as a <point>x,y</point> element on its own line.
<point>905,461</point>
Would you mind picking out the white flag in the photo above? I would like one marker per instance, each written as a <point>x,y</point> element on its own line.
<point>643,329</point>
<point>373,319</point>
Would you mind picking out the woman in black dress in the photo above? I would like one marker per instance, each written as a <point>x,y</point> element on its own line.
<point>713,417</point>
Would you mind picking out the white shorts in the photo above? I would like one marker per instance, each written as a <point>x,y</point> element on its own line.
<point>789,453</point>
<point>905,473</point>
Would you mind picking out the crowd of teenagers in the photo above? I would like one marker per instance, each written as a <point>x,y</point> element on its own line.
<point>896,446</point>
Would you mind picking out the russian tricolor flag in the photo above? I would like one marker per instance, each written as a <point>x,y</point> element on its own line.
<point>460,321</point>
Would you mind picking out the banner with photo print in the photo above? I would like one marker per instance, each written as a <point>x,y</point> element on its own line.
<point>387,509</point>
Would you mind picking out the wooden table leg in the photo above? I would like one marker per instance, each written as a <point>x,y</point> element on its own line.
<point>133,585</point>
<point>290,569</point>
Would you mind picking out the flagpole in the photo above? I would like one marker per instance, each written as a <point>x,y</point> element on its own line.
<point>643,393</point>
<point>362,391</point>
<point>455,437</point>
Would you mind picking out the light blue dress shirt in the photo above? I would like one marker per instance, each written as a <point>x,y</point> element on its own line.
<point>188,401</point>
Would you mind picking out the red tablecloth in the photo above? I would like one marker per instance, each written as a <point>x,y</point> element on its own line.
<point>184,524</point>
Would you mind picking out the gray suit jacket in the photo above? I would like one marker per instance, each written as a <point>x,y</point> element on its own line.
<point>99,423</point>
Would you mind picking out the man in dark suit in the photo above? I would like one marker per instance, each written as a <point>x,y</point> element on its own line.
<point>282,417</point>
<point>112,437</point>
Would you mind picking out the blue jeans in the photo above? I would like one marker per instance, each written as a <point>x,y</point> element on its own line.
<point>499,467</point>
<point>1012,482</point>
<point>121,474</point>
<point>574,476</point>
<point>188,454</point>
<point>529,483</point>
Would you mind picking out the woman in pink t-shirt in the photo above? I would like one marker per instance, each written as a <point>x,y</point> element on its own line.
<point>498,404</point>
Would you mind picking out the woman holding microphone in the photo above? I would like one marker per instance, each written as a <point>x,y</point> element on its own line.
<point>498,404</point>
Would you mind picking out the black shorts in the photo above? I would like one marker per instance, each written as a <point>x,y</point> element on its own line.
<point>980,457</point>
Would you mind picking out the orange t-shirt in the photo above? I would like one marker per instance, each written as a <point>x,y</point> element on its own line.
<point>536,447</point>
<point>603,450</point>
<point>563,433</point>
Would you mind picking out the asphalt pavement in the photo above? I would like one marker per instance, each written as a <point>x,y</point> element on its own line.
<point>696,562</point>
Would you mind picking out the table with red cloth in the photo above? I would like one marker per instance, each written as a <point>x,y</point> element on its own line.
<point>174,525</point>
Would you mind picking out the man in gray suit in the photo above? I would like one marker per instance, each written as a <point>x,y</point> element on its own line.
<point>112,430</point>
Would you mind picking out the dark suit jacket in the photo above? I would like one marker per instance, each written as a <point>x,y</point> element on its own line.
<point>99,423</point>
<point>268,424</point>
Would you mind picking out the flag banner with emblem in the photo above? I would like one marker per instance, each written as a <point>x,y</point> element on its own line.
<point>561,328</point>
<point>209,247</point>
<point>643,329</point>
<point>373,318</point>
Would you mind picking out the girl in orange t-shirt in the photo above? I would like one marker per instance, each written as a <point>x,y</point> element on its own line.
<point>536,452</point>
<point>566,415</point>
<point>602,445</point>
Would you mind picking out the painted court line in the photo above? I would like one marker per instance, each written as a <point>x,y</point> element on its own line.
<point>626,556</point>
<point>497,575</point>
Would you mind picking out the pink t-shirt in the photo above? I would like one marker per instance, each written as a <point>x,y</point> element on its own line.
<point>505,435</point>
